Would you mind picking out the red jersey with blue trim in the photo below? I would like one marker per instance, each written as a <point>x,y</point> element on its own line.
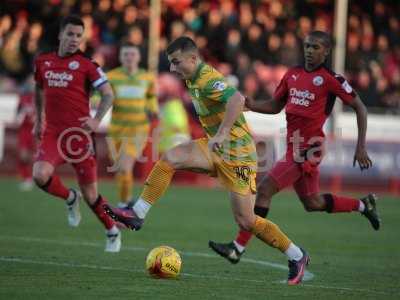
<point>309,98</point>
<point>66,83</point>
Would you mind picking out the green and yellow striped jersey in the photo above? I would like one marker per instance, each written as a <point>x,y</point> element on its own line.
<point>210,93</point>
<point>134,99</point>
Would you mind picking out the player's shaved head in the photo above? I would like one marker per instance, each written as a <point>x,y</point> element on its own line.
<point>324,38</point>
<point>183,43</point>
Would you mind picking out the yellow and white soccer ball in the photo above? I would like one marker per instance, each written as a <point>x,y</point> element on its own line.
<point>163,262</point>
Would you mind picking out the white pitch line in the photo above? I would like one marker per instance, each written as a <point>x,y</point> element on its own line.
<point>307,276</point>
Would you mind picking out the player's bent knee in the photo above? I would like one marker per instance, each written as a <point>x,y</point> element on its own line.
<point>173,159</point>
<point>41,175</point>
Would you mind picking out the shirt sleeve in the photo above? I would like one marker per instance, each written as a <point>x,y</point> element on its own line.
<point>36,73</point>
<point>281,92</point>
<point>217,89</point>
<point>96,75</point>
<point>342,89</point>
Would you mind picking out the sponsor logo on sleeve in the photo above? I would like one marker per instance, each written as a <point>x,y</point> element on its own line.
<point>219,85</point>
<point>347,87</point>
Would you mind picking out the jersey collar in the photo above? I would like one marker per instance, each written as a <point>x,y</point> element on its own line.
<point>197,73</point>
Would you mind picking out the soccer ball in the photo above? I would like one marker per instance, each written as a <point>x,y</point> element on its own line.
<point>163,262</point>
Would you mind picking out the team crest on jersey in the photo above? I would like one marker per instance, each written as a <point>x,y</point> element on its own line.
<point>219,85</point>
<point>73,65</point>
<point>318,80</point>
<point>47,63</point>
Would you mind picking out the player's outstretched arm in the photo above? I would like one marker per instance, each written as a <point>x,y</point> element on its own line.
<point>234,108</point>
<point>271,106</point>
<point>361,155</point>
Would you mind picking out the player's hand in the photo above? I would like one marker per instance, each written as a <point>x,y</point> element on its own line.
<point>37,130</point>
<point>248,103</point>
<point>216,142</point>
<point>89,124</point>
<point>362,158</point>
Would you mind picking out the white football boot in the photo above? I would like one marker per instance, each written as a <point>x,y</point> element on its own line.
<point>73,212</point>
<point>113,242</point>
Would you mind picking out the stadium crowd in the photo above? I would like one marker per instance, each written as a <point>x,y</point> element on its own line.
<point>251,42</point>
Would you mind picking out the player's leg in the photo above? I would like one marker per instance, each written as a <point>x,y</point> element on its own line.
<point>96,203</point>
<point>124,152</point>
<point>283,174</point>
<point>25,168</point>
<point>232,251</point>
<point>269,233</point>
<point>86,172</point>
<point>307,188</point>
<point>124,178</point>
<point>43,175</point>
<point>187,156</point>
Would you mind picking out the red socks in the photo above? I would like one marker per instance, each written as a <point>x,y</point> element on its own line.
<point>243,237</point>
<point>337,204</point>
<point>25,170</point>
<point>56,188</point>
<point>101,214</point>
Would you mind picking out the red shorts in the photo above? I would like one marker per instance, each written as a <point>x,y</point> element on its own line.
<point>70,146</point>
<point>287,172</point>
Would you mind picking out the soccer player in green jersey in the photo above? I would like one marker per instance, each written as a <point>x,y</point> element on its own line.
<point>228,153</point>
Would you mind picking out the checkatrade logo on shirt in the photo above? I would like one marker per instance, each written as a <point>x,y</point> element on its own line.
<point>55,79</point>
<point>300,97</point>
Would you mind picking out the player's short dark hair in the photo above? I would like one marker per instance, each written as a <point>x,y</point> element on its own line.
<point>182,43</point>
<point>71,19</point>
<point>324,38</point>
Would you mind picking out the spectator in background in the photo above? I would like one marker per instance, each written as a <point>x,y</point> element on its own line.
<point>245,17</point>
<point>135,37</point>
<point>11,54</point>
<point>353,54</point>
<point>290,51</point>
<point>367,52</point>
<point>252,87</point>
<point>233,46</point>
<point>223,29</point>
<point>273,52</point>
<point>5,26</point>
<point>215,32</point>
<point>367,88</point>
<point>394,31</point>
<point>254,43</point>
<point>243,67</point>
<point>192,20</point>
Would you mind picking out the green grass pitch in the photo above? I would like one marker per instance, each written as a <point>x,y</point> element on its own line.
<point>42,258</point>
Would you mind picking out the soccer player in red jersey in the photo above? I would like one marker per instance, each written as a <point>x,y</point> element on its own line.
<point>64,80</point>
<point>26,144</point>
<point>308,93</point>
